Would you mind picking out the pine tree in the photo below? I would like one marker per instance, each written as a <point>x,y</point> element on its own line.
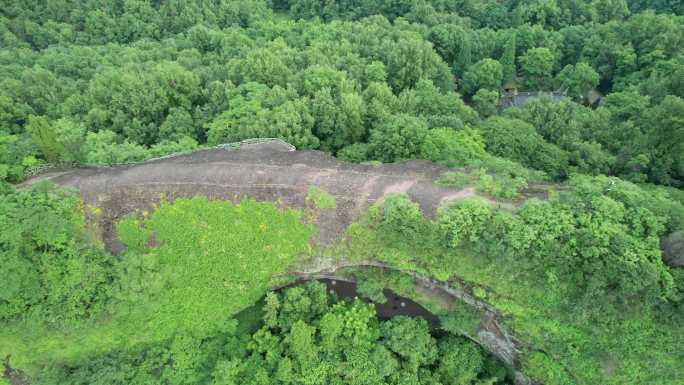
<point>508,60</point>
<point>464,58</point>
<point>45,137</point>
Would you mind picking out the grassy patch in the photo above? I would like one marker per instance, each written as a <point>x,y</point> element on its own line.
<point>320,198</point>
<point>213,260</point>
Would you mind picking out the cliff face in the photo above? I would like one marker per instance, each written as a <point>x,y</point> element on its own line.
<point>271,171</point>
<point>263,171</point>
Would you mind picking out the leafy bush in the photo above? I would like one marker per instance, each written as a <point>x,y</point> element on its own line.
<point>398,138</point>
<point>454,148</point>
<point>464,221</point>
<point>518,141</point>
<point>401,216</point>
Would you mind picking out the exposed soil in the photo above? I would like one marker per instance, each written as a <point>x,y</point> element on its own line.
<point>265,171</point>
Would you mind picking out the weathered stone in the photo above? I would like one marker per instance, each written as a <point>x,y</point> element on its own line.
<point>673,249</point>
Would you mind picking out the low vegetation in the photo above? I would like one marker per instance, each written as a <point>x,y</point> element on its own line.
<point>580,272</point>
<point>183,272</point>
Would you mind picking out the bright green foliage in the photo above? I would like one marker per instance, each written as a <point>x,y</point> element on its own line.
<point>102,147</point>
<point>133,101</point>
<point>426,101</point>
<point>516,140</point>
<point>258,111</point>
<point>409,339</point>
<point>454,148</point>
<point>45,138</point>
<point>583,268</point>
<point>540,366</point>
<point>357,152</point>
<point>401,216</point>
<point>16,154</point>
<point>320,198</point>
<point>460,362</point>
<point>51,272</point>
<point>236,267</point>
<point>536,65</point>
<point>487,74</point>
<point>164,77</point>
<point>493,176</point>
<point>577,275</point>
<point>464,221</point>
<point>399,138</point>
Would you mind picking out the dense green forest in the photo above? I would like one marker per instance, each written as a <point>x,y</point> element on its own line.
<point>579,275</point>
<point>93,82</point>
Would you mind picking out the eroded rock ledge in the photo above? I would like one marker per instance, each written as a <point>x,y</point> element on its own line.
<point>264,171</point>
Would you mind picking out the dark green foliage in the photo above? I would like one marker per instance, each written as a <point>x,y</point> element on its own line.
<point>123,81</point>
<point>509,69</point>
<point>673,249</point>
<point>485,102</point>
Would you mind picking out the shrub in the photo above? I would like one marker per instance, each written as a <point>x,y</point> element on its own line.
<point>464,221</point>
<point>401,216</point>
<point>454,148</point>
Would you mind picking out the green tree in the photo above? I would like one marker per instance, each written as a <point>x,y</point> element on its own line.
<point>516,140</point>
<point>509,69</point>
<point>486,102</point>
<point>454,148</point>
<point>410,339</point>
<point>51,273</point>
<point>400,137</point>
<point>459,361</point>
<point>486,73</point>
<point>464,221</point>
<point>465,55</point>
<point>45,137</point>
<point>578,80</point>
<point>536,65</point>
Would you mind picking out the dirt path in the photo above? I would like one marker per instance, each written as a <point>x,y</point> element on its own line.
<point>266,171</point>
